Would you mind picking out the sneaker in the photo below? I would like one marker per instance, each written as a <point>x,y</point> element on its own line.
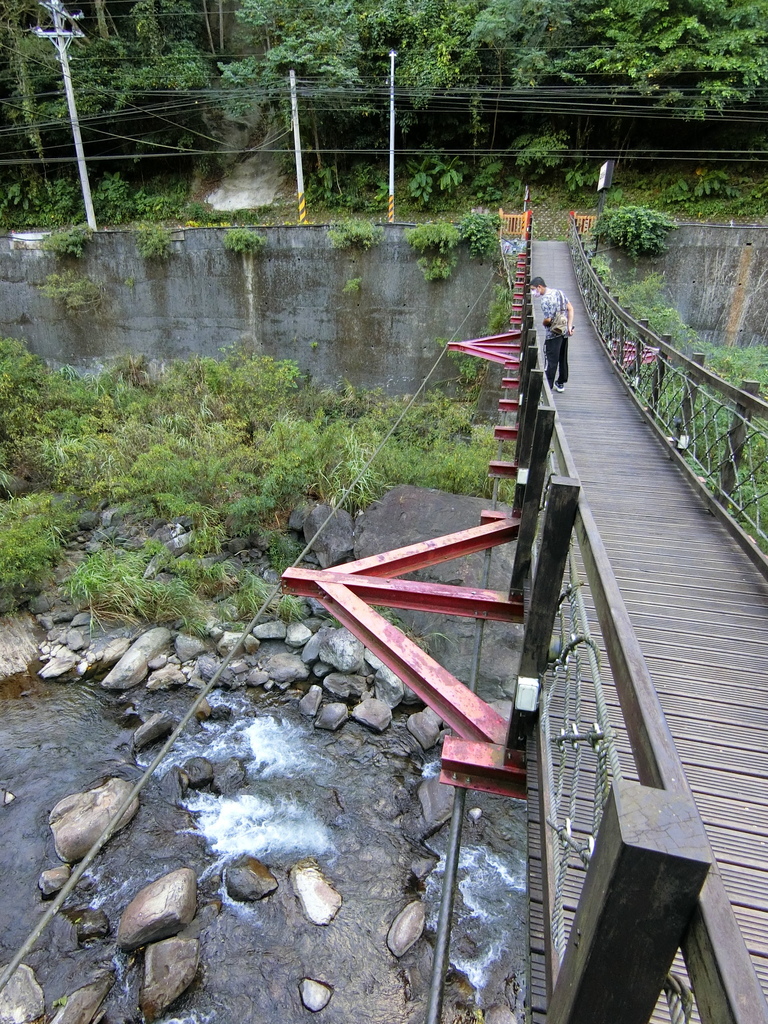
<point>559,387</point>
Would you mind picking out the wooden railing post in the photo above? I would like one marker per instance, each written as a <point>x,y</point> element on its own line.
<point>530,394</point>
<point>650,861</point>
<point>528,494</point>
<point>556,532</point>
<point>737,436</point>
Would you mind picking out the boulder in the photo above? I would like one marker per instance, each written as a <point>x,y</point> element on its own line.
<point>61,663</point>
<point>82,1006</point>
<point>53,880</point>
<point>275,630</point>
<point>343,651</point>
<point>310,702</point>
<point>387,686</point>
<point>132,667</point>
<point>319,900</point>
<point>169,677</point>
<point>247,880</point>
<point>156,726</point>
<point>332,717</point>
<point>18,644</point>
<point>436,801</point>
<point>22,1000</point>
<point>342,686</point>
<point>188,647</point>
<point>286,668</point>
<point>406,929</point>
<point>199,772</point>
<point>78,820</point>
<point>314,994</point>
<point>425,726</point>
<point>374,714</point>
<point>169,969</point>
<point>159,910</point>
<point>336,543</point>
<point>297,634</point>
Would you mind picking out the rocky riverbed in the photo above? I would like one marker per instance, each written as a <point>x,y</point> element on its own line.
<point>283,861</point>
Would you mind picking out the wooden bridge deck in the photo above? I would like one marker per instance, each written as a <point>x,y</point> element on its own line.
<point>699,608</point>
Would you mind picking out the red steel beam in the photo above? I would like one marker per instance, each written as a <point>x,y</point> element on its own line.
<point>490,767</point>
<point>438,549</point>
<point>460,708</point>
<point>470,602</point>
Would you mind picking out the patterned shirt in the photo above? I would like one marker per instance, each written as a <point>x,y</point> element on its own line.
<point>552,300</point>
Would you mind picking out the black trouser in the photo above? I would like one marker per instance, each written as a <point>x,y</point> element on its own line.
<point>556,353</point>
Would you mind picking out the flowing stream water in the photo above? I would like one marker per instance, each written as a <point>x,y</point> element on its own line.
<point>346,801</point>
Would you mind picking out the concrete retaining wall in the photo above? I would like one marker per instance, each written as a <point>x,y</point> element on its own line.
<point>288,302</point>
<point>716,277</point>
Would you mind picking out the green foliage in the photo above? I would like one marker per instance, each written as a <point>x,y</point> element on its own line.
<point>352,285</point>
<point>244,240</point>
<point>68,243</point>
<point>437,241</point>
<point>153,242</point>
<point>115,585</point>
<point>77,293</point>
<point>500,310</point>
<point>283,551</point>
<point>538,152</point>
<point>430,171</point>
<point>355,234</point>
<point>23,379</point>
<point>638,230</point>
<point>32,531</point>
<point>481,233</point>
<point>28,200</point>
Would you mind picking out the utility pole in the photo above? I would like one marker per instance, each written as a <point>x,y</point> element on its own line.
<point>297,148</point>
<point>391,213</point>
<point>61,37</point>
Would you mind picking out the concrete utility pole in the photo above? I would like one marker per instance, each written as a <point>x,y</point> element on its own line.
<point>61,37</point>
<point>391,211</point>
<point>297,148</point>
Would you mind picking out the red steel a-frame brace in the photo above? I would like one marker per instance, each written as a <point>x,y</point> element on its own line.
<point>477,756</point>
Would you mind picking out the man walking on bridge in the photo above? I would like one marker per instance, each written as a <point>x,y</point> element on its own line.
<point>558,327</point>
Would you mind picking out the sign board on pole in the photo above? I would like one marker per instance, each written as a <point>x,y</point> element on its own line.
<point>606,175</point>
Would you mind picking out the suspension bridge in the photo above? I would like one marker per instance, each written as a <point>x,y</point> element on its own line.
<point>639,728</point>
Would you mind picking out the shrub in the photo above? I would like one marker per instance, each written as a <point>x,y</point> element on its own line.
<point>355,234</point>
<point>78,294</point>
<point>31,543</point>
<point>22,385</point>
<point>438,242</point>
<point>244,240</point>
<point>153,242</point>
<point>638,230</point>
<point>68,243</point>
<point>481,233</point>
<point>115,585</point>
<point>353,284</point>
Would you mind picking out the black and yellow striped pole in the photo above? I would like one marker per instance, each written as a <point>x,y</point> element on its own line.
<point>297,147</point>
<point>391,211</point>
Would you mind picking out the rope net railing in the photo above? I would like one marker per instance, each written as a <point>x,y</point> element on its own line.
<point>719,431</point>
<point>580,726</point>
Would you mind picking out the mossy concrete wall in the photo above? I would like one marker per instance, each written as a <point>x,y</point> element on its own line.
<point>716,277</point>
<point>292,301</point>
